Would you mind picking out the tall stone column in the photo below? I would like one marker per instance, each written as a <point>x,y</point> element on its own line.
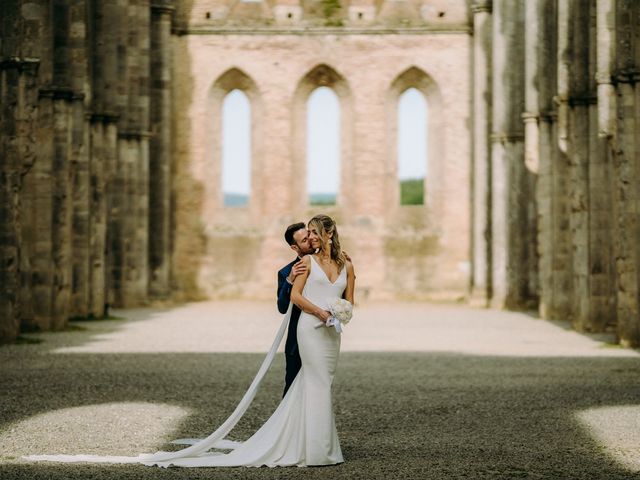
<point>35,277</point>
<point>17,70</point>
<point>560,297</point>
<point>140,262</point>
<point>105,82</point>
<point>606,128</point>
<point>103,148</point>
<point>160,150</point>
<point>129,198</point>
<point>579,154</point>
<point>531,168</point>
<point>600,264</point>
<point>37,213</point>
<point>547,153</point>
<point>59,103</point>
<point>481,287</point>
<point>531,115</point>
<point>47,207</point>
<point>605,55</point>
<point>117,207</point>
<point>626,165</point>
<point>10,185</point>
<point>589,218</point>
<point>103,168</point>
<point>60,98</point>
<point>531,91</point>
<point>508,208</point>
<point>78,81</point>
<point>562,98</point>
<point>18,101</point>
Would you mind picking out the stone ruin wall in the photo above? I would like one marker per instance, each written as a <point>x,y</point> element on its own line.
<point>399,252</point>
<point>555,158</point>
<point>84,192</point>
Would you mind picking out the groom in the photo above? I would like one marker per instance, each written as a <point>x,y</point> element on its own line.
<point>297,237</point>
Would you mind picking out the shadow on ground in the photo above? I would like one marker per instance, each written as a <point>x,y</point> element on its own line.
<point>400,415</point>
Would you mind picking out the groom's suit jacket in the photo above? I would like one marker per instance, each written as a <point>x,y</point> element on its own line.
<point>284,298</point>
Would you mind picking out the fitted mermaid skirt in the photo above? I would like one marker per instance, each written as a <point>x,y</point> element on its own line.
<point>302,430</point>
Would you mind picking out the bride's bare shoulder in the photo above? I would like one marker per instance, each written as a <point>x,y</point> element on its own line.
<point>349,266</point>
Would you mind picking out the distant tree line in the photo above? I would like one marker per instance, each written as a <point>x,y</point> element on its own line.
<point>412,191</point>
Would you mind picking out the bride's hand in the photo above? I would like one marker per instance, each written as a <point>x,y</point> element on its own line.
<point>323,315</point>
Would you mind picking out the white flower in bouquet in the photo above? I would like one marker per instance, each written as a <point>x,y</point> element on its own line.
<point>341,313</point>
<point>342,310</point>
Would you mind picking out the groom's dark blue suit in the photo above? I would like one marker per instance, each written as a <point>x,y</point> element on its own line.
<point>291,352</point>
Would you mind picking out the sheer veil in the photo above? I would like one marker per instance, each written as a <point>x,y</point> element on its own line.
<point>198,447</point>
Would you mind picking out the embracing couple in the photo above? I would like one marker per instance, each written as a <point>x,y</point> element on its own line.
<point>301,431</point>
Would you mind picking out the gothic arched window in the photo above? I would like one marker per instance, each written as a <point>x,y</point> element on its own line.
<point>323,146</point>
<point>412,146</point>
<point>236,149</point>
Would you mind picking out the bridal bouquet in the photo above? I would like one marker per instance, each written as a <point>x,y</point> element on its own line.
<point>341,313</point>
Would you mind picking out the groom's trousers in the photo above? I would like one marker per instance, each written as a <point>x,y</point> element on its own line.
<point>294,363</point>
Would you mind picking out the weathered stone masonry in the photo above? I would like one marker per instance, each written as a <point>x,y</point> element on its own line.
<point>75,122</point>
<point>419,251</point>
<point>580,117</point>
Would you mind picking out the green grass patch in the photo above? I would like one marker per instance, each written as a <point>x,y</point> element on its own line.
<point>412,191</point>
<point>91,318</point>
<point>73,328</point>
<point>22,340</point>
<point>331,10</point>
<point>611,345</point>
<point>316,199</point>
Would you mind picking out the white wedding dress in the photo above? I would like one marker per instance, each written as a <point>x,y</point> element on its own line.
<point>302,429</point>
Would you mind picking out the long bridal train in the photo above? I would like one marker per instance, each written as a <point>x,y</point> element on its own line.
<point>302,429</point>
<point>200,448</point>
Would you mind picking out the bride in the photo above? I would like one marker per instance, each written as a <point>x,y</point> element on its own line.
<point>302,429</point>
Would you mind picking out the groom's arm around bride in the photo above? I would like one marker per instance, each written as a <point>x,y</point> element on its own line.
<point>297,238</point>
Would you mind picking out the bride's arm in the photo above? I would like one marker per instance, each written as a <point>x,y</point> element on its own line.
<point>351,283</point>
<point>304,304</point>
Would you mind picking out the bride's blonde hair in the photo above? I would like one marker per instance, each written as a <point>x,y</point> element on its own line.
<point>325,226</point>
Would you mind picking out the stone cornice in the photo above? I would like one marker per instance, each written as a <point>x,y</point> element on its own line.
<point>60,93</point>
<point>504,137</point>
<point>603,78</point>
<point>481,6</point>
<point>377,30</point>
<point>104,117</point>
<point>133,134</point>
<point>626,76</point>
<point>560,99</point>
<point>159,8</point>
<point>18,63</point>
<point>549,116</point>
<point>583,100</point>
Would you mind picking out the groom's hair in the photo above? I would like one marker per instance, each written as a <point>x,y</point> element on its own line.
<point>291,229</point>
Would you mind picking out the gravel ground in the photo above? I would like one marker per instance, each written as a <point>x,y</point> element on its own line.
<point>422,392</point>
